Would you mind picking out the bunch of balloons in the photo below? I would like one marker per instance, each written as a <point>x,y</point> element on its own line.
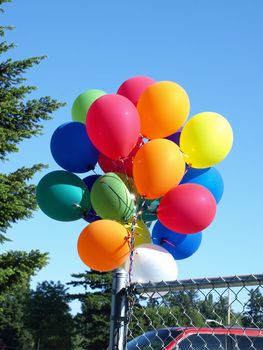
<point>157,166</point>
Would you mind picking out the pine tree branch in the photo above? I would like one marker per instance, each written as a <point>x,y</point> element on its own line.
<point>11,71</point>
<point>17,197</point>
<point>4,47</point>
<point>20,118</point>
<point>4,28</point>
<point>19,121</point>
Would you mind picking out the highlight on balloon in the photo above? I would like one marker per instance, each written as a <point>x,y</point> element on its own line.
<point>138,170</point>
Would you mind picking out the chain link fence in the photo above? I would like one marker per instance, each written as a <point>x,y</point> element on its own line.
<point>224,313</point>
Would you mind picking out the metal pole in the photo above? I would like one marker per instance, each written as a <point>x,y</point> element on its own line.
<point>119,308</point>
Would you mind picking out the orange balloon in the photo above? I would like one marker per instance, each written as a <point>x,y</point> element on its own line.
<point>163,108</point>
<point>158,166</point>
<point>104,245</point>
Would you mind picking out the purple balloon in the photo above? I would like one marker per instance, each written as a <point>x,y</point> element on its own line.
<point>92,215</point>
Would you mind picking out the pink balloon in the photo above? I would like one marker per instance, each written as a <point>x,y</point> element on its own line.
<point>113,125</point>
<point>187,208</point>
<point>134,87</point>
<point>124,166</point>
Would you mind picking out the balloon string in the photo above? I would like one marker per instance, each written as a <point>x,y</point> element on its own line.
<point>171,244</point>
<point>129,182</point>
<point>94,171</point>
<point>134,221</point>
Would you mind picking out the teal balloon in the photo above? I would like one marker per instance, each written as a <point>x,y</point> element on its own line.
<point>63,196</point>
<point>111,199</point>
<point>149,210</point>
<point>82,104</point>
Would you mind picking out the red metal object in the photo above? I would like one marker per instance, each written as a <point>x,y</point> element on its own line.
<point>186,332</point>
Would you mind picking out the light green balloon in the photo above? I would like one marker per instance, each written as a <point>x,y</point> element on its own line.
<point>111,199</point>
<point>82,104</point>
<point>63,196</point>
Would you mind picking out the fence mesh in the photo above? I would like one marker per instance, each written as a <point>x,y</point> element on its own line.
<point>224,313</point>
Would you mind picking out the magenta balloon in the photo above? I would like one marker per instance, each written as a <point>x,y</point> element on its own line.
<point>134,87</point>
<point>187,208</point>
<point>113,125</point>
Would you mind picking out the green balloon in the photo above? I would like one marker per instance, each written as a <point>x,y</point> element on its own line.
<point>111,199</point>
<point>82,104</point>
<point>63,196</point>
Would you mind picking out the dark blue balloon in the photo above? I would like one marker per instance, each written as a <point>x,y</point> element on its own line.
<point>179,245</point>
<point>210,178</point>
<point>175,137</point>
<point>91,215</point>
<point>72,149</point>
<point>89,180</point>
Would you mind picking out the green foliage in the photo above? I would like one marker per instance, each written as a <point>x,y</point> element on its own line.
<point>16,269</point>
<point>13,330</point>
<point>93,323</point>
<point>17,197</point>
<point>48,317</point>
<point>254,310</point>
<point>20,119</point>
<point>173,310</point>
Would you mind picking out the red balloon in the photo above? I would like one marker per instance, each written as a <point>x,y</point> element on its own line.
<point>113,125</point>
<point>187,208</point>
<point>124,166</point>
<point>134,87</point>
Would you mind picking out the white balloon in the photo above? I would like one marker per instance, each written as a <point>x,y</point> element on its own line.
<point>152,263</point>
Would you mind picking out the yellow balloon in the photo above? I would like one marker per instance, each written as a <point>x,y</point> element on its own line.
<point>158,166</point>
<point>163,108</point>
<point>206,139</point>
<point>141,233</point>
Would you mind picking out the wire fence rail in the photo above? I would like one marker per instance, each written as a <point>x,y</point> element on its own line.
<point>222,313</point>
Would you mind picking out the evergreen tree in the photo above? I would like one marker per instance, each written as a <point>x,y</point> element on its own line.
<point>16,269</point>
<point>221,309</point>
<point>48,317</point>
<point>254,310</point>
<point>20,118</point>
<point>93,323</point>
<point>206,308</point>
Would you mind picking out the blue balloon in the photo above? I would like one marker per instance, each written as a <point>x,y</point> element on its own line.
<point>91,215</point>
<point>72,149</point>
<point>210,178</point>
<point>181,246</point>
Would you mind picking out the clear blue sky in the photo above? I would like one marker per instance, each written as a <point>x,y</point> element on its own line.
<point>214,49</point>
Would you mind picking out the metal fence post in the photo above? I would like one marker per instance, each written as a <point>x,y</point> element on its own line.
<point>119,308</point>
